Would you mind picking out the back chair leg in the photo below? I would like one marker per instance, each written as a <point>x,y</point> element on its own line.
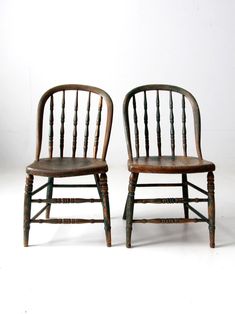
<point>124,213</point>
<point>106,211</point>
<point>185,194</point>
<point>49,195</point>
<point>27,207</point>
<point>130,207</point>
<point>211,207</point>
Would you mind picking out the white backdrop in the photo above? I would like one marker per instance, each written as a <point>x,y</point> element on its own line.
<point>116,45</point>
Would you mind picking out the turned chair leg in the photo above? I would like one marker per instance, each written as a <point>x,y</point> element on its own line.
<point>97,181</point>
<point>130,207</point>
<point>185,194</point>
<point>27,207</point>
<point>211,207</point>
<point>49,195</point>
<point>106,210</point>
<point>124,213</point>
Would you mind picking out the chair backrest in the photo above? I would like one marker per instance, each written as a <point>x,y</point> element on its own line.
<point>133,133</point>
<point>92,100</point>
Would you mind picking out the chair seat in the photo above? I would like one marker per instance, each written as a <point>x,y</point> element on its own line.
<point>169,164</point>
<point>66,167</point>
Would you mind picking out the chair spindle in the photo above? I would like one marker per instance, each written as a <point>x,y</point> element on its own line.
<point>184,131</point>
<point>158,124</point>
<point>172,130</point>
<point>97,130</point>
<point>51,122</point>
<point>146,131</point>
<point>62,119</point>
<point>136,127</point>
<point>87,126</point>
<point>75,122</point>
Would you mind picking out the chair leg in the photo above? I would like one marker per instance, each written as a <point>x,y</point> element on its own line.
<point>185,194</point>
<point>49,195</point>
<point>106,210</point>
<point>130,207</point>
<point>211,207</point>
<point>97,181</point>
<point>124,213</point>
<point>27,207</point>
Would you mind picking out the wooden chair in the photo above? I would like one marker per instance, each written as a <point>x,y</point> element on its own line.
<point>61,166</point>
<point>157,162</point>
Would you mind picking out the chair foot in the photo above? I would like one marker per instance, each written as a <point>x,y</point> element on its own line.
<point>128,237</point>
<point>124,213</point>
<point>27,207</point>
<point>211,207</point>
<point>26,236</point>
<point>108,236</point>
<point>212,236</point>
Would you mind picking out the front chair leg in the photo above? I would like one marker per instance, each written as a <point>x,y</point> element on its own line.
<point>49,195</point>
<point>185,193</point>
<point>211,207</point>
<point>106,210</point>
<point>124,213</point>
<point>130,207</point>
<point>27,207</point>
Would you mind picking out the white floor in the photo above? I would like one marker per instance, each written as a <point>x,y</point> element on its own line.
<point>68,269</point>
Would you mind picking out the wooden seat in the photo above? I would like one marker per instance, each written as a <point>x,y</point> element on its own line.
<point>67,167</point>
<point>79,107</point>
<point>169,164</point>
<point>147,105</point>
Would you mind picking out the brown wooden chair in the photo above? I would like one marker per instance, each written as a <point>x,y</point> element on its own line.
<point>80,97</point>
<point>156,161</point>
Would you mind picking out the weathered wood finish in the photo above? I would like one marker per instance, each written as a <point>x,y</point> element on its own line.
<point>170,89</point>
<point>62,126</point>
<point>171,200</point>
<point>106,211</point>
<point>51,122</point>
<point>211,207</point>
<point>167,164</point>
<point>67,167</point>
<point>130,207</point>
<point>135,116</point>
<point>74,87</point>
<point>27,207</point>
<point>146,131</point>
<point>87,126</point>
<point>172,129</point>
<point>185,193</point>
<point>97,131</point>
<point>158,119</point>
<point>49,195</point>
<point>167,220</point>
<point>75,123</point>
<point>65,200</point>
<point>67,221</point>
<point>58,167</point>
<point>184,132</point>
